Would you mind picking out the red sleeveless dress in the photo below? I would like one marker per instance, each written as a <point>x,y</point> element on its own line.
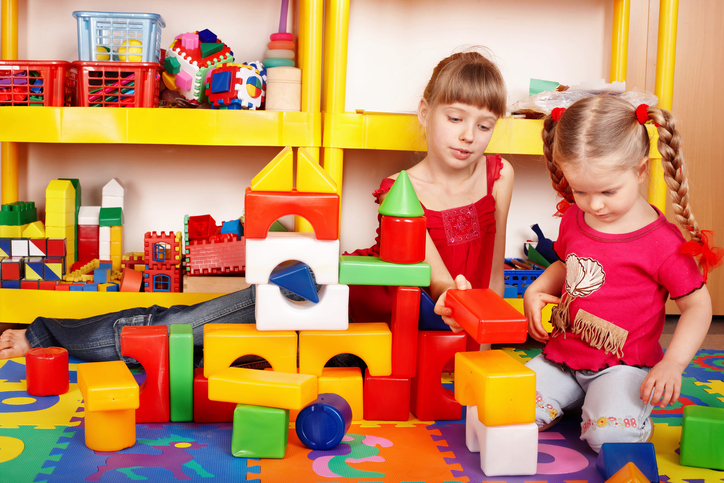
<point>464,237</point>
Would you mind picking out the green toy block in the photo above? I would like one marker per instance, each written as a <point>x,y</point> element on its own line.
<point>172,65</point>
<point>181,372</point>
<point>277,226</point>
<point>702,437</point>
<point>360,270</point>
<point>111,217</point>
<point>18,213</point>
<point>210,48</point>
<point>401,200</point>
<point>259,432</point>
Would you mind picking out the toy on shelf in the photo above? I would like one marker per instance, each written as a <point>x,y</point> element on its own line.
<point>212,249</point>
<point>37,83</point>
<point>119,36</point>
<point>190,59</point>
<point>284,80</point>
<point>236,86</point>
<point>163,261</point>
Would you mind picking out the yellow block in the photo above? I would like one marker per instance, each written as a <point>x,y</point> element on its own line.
<point>224,343</point>
<point>347,382</point>
<point>59,205</point>
<point>107,386</point>
<point>545,315</point>
<point>34,230</point>
<point>65,231</point>
<point>110,430</point>
<point>12,231</point>
<point>60,189</point>
<point>502,388</point>
<point>60,219</point>
<point>370,341</point>
<point>263,388</point>
<point>278,175</point>
<point>311,177</point>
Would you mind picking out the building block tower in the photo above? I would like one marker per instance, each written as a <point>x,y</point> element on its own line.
<point>163,262</point>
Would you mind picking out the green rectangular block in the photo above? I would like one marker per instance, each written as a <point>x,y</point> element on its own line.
<point>259,432</point>
<point>111,216</point>
<point>359,270</point>
<point>181,372</point>
<point>702,437</point>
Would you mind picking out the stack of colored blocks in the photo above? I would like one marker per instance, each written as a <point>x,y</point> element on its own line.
<point>280,50</point>
<point>32,263</point>
<point>213,250</point>
<point>60,215</point>
<point>16,218</point>
<point>163,262</point>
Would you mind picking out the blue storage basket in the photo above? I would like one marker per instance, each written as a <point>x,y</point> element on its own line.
<point>520,278</point>
<point>119,36</point>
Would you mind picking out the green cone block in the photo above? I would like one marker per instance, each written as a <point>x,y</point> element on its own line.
<point>401,200</point>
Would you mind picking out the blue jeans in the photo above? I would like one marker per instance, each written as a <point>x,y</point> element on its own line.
<point>98,338</point>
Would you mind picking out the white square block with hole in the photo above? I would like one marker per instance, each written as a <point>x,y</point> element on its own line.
<point>504,450</point>
<point>276,312</point>
<point>262,255</point>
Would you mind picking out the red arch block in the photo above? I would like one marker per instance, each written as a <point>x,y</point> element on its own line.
<point>262,208</point>
<point>149,346</point>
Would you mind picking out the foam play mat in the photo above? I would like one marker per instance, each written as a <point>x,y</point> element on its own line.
<point>42,440</point>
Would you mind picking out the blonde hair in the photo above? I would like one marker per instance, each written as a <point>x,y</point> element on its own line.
<point>605,128</point>
<point>469,78</point>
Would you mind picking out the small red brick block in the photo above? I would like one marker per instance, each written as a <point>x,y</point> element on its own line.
<point>46,371</point>
<point>403,325</point>
<point>386,398</point>
<point>402,240</point>
<point>12,268</point>
<point>56,247</point>
<point>263,208</point>
<point>205,410</point>
<point>225,256</point>
<point>29,284</point>
<point>486,316</point>
<point>428,399</point>
<point>47,284</point>
<point>149,346</point>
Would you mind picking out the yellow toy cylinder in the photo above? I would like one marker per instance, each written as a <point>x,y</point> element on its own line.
<point>110,430</point>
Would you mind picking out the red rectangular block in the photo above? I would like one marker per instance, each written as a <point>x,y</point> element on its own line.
<point>206,410</point>
<point>386,398</point>
<point>29,284</point>
<point>404,322</point>
<point>486,316</point>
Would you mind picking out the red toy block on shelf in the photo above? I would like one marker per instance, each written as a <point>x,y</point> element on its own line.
<point>118,84</point>
<point>37,83</point>
<point>404,322</point>
<point>486,316</point>
<point>29,284</point>
<point>162,249</point>
<point>56,247</point>
<point>402,240</point>
<point>428,399</point>
<point>263,208</point>
<point>149,346</point>
<point>162,280</point>
<point>201,227</point>
<point>226,255</point>
<point>386,398</point>
<point>206,410</point>
<point>46,371</point>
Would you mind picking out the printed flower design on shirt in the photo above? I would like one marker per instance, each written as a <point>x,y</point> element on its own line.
<point>583,277</point>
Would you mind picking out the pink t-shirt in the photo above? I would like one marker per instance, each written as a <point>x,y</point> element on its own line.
<point>617,286</point>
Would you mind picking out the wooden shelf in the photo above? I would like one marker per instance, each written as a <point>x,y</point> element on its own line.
<point>159,126</point>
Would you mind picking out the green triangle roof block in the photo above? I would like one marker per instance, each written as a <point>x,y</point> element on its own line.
<point>401,200</point>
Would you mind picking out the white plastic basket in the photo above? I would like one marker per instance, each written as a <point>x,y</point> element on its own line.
<point>119,36</point>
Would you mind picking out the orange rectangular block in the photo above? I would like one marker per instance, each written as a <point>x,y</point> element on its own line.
<point>486,316</point>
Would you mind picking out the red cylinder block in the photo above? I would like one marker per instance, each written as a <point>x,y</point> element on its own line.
<point>402,240</point>
<point>46,370</point>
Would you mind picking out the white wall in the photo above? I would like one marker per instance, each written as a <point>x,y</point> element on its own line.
<point>392,49</point>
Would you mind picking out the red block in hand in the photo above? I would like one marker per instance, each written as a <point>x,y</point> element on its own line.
<point>149,346</point>
<point>402,240</point>
<point>486,316</point>
<point>46,371</point>
<point>428,399</point>
<point>206,410</point>
<point>404,322</point>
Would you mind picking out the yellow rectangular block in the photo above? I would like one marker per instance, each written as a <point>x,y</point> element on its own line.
<point>224,343</point>
<point>53,218</point>
<point>263,388</point>
<point>372,342</point>
<point>116,234</point>
<point>347,382</point>
<point>12,231</point>
<point>107,386</point>
<point>502,388</point>
<point>60,205</point>
<point>66,231</point>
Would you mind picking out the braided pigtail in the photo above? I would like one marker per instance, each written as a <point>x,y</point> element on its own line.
<point>558,180</point>
<point>672,160</point>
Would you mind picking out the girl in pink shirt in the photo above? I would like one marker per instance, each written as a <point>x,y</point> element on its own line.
<point>620,261</point>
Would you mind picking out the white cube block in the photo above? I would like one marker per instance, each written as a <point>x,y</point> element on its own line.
<point>504,450</point>
<point>276,312</point>
<point>89,215</point>
<point>262,255</point>
<point>20,247</point>
<point>104,234</point>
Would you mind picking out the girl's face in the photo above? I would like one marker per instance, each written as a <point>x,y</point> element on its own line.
<point>457,134</point>
<point>608,196</point>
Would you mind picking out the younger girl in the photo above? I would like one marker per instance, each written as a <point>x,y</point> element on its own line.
<point>466,196</point>
<point>620,260</point>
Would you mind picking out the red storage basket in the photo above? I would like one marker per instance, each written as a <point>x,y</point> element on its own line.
<point>37,83</point>
<point>118,84</point>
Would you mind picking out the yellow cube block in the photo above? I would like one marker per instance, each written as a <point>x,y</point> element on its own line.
<point>263,388</point>
<point>65,231</point>
<point>347,382</point>
<point>60,219</point>
<point>224,343</point>
<point>12,231</point>
<point>370,341</point>
<point>502,388</point>
<point>60,205</point>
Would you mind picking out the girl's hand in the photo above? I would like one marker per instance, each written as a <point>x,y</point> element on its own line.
<point>461,283</point>
<point>533,304</point>
<point>664,382</point>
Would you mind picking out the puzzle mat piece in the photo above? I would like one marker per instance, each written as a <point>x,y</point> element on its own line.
<point>25,449</point>
<point>666,441</point>
<point>692,392</point>
<point>715,387</point>
<point>519,355</point>
<point>382,453</point>
<point>18,408</point>
<point>705,365</point>
<point>13,370</point>
<point>163,452</point>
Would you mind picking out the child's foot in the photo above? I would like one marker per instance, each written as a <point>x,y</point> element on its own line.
<point>13,344</point>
